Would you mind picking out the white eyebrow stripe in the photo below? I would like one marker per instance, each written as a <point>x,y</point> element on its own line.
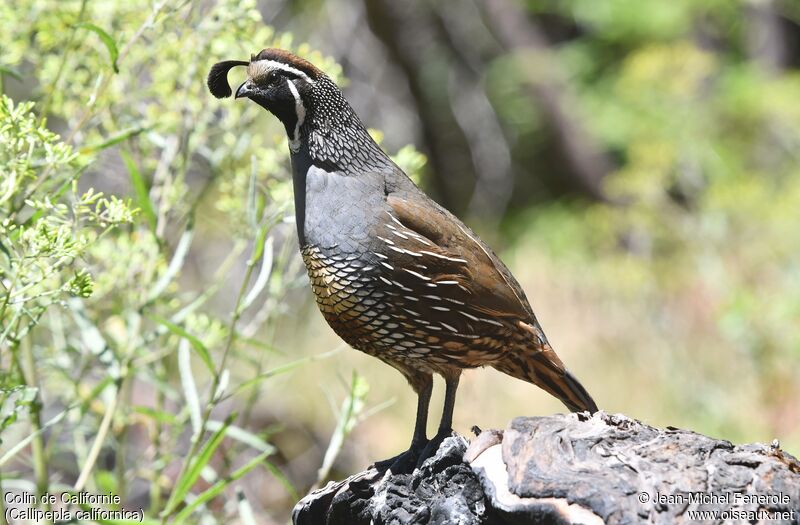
<point>262,67</point>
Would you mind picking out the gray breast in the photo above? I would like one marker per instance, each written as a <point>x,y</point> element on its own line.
<point>341,210</point>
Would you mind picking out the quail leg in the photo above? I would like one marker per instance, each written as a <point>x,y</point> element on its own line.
<point>404,463</point>
<point>446,423</point>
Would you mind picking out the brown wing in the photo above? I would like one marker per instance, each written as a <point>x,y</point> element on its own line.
<point>460,255</point>
<point>444,275</point>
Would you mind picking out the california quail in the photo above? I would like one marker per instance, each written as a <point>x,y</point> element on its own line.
<point>395,275</point>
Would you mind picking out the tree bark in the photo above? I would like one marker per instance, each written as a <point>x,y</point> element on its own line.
<point>572,469</point>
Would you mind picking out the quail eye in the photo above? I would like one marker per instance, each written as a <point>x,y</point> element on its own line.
<point>272,77</point>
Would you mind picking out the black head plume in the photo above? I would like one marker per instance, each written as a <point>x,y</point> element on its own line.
<point>218,77</point>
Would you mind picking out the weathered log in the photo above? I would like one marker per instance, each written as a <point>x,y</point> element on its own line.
<point>572,469</point>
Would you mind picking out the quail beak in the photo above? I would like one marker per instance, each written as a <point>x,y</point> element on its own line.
<point>246,90</point>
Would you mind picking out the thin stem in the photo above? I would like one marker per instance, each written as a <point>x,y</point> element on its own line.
<point>2,500</point>
<point>68,48</point>
<point>105,424</point>
<point>87,114</point>
<point>100,88</point>
<point>6,300</point>
<point>37,445</point>
<point>237,312</point>
<point>122,442</point>
<point>155,486</point>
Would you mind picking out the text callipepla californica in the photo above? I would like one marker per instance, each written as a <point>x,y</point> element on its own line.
<point>395,275</point>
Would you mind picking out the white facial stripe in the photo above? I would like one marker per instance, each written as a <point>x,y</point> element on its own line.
<point>300,111</point>
<point>262,67</point>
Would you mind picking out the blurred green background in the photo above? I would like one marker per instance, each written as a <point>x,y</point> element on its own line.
<point>635,163</point>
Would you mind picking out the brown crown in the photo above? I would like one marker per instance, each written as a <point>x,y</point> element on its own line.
<point>281,55</point>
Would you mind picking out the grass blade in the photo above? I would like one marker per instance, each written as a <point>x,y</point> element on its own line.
<point>24,442</point>
<point>115,139</point>
<point>109,42</point>
<point>159,416</point>
<point>243,436</point>
<point>140,189</point>
<point>189,386</point>
<point>263,275</point>
<point>348,417</point>
<point>282,369</point>
<point>197,345</point>
<point>219,486</point>
<point>6,70</point>
<point>189,478</point>
<point>175,265</point>
<point>281,477</point>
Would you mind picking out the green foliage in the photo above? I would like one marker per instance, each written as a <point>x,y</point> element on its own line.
<point>704,226</point>
<point>99,301</point>
<point>47,225</point>
<point>351,410</point>
<point>107,41</point>
<point>126,311</point>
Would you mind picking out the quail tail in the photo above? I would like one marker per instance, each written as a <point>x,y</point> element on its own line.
<point>563,385</point>
<point>545,370</point>
<point>578,392</point>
